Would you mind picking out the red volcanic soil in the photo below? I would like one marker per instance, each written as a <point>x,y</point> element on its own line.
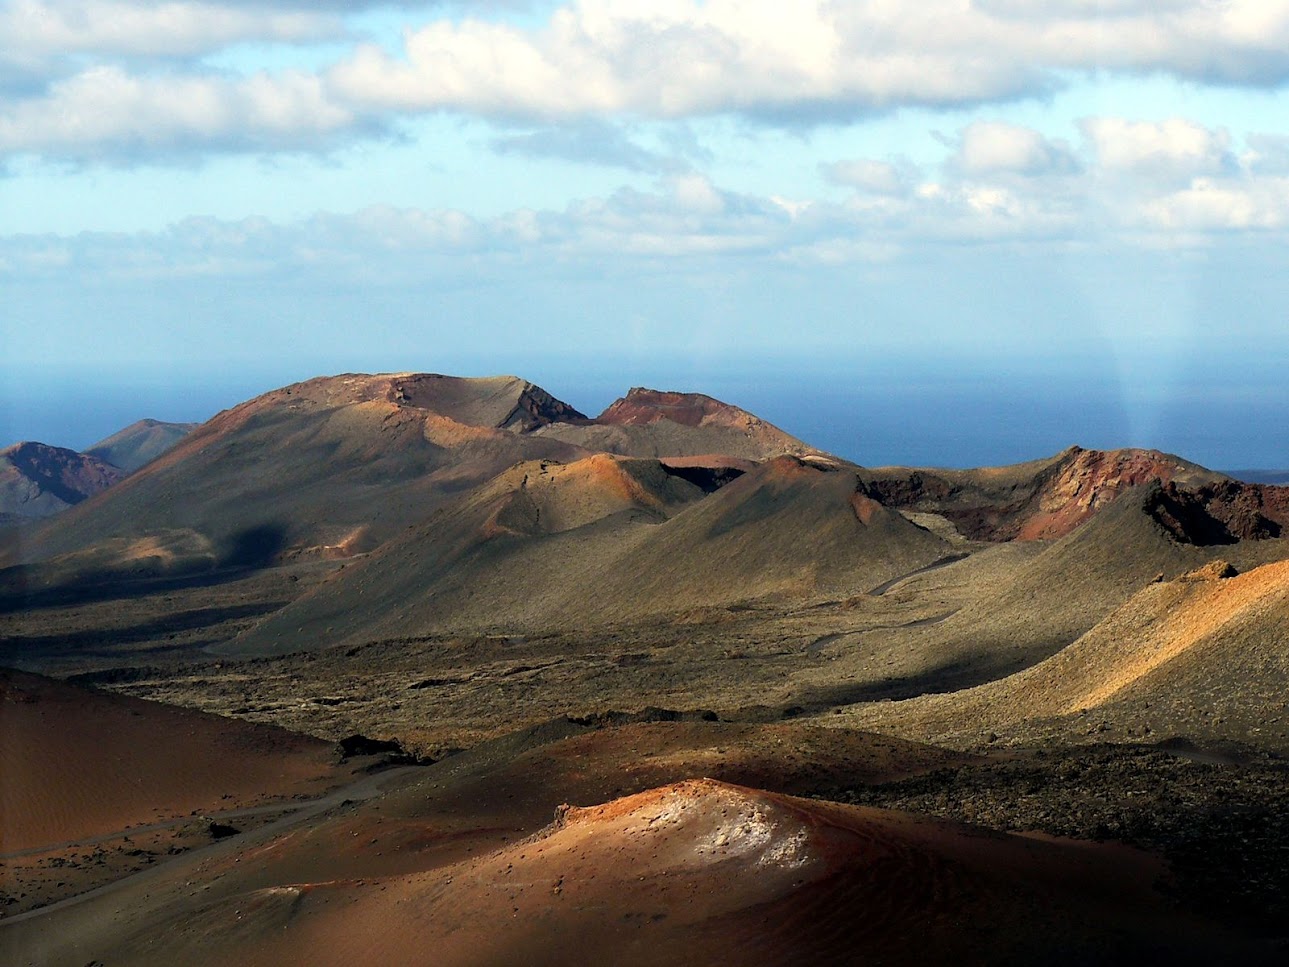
<point>705,872</point>
<point>78,763</point>
<point>642,406</point>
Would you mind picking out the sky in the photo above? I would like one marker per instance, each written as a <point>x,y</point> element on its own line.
<point>952,232</point>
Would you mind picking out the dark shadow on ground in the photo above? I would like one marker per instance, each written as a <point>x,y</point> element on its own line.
<point>27,587</point>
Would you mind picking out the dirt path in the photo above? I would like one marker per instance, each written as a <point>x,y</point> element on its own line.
<point>933,566</point>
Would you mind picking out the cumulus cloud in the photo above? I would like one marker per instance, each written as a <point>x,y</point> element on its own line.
<point>871,176</point>
<point>1175,149</point>
<point>107,112</point>
<point>811,59</point>
<point>996,147</point>
<point>34,29</point>
<point>896,207</point>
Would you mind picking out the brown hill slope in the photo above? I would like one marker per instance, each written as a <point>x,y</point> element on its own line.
<point>335,466</point>
<point>460,863</point>
<point>140,443</point>
<point>37,480</point>
<point>1205,655</point>
<point>609,540</point>
<point>328,467</point>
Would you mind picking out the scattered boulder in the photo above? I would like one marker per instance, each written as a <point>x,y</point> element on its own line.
<point>359,746</point>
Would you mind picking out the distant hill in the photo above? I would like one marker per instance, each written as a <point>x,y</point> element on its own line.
<point>37,480</point>
<point>609,540</point>
<point>336,466</point>
<point>654,423</point>
<point>140,443</point>
<point>1038,500</point>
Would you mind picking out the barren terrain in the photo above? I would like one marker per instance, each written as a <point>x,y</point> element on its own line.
<point>1057,691</point>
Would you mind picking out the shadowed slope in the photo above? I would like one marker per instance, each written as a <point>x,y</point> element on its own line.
<point>78,763</point>
<point>140,443</point>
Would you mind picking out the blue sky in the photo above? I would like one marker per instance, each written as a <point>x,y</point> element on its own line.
<point>948,232</point>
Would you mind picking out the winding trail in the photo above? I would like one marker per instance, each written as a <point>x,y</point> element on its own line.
<point>933,566</point>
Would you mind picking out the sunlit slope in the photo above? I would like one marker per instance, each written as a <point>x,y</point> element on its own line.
<point>331,465</point>
<point>1202,655</point>
<point>1077,580</point>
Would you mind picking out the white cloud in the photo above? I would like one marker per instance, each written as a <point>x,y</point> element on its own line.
<point>1213,205</point>
<point>105,111</point>
<point>975,197</point>
<point>1172,149</point>
<point>807,60</point>
<point>870,176</point>
<point>996,147</point>
<point>33,29</point>
<point>603,61</point>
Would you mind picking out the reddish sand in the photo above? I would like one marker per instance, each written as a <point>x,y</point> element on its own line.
<point>79,763</point>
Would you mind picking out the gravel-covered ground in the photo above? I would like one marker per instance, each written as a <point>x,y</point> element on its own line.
<point>1221,819</point>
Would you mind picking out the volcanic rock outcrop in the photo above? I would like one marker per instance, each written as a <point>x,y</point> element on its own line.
<point>37,480</point>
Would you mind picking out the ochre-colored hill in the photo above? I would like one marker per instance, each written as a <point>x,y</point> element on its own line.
<point>37,480</point>
<point>335,466</point>
<point>461,864</point>
<point>653,423</point>
<point>326,468</point>
<point>1205,654</point>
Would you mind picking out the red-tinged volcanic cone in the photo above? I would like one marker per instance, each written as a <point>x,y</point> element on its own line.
<point>709,873</point>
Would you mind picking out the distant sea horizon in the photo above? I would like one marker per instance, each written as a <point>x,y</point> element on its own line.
<point>875,415</point>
